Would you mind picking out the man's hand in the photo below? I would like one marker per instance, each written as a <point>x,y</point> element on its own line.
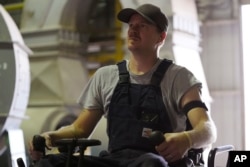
<point>174,147</point>
<point>37,146</point>
<point>35,155</point>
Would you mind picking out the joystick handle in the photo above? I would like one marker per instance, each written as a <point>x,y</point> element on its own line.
<point>156,137</point>
<point>39,143</point>
<point>20,162</point>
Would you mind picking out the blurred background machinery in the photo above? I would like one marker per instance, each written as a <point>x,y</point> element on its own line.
<point>69,40</point>
<point>14,89</point>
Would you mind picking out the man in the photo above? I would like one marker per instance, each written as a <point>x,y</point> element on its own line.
<point>142,95</point>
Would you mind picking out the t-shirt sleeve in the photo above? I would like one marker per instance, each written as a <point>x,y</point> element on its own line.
<point>90,97</point>
<point>183,81</point>
<point>98,91</point>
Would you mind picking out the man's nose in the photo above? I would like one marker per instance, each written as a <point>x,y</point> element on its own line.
<point>134,27</point>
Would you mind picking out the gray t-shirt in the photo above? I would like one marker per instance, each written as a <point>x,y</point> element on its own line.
<point>176,82</point>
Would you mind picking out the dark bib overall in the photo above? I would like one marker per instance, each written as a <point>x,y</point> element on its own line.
<point>136,110</point>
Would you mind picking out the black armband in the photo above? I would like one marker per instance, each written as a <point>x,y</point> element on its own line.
<point>193,104</point>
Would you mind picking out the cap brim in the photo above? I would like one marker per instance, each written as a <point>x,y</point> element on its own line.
<point>125,14</point>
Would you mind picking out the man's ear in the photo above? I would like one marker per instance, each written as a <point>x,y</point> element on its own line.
<point>163,36</point>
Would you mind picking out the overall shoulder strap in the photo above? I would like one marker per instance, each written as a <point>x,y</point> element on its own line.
<point>160,71</point>
<point>123,72</point>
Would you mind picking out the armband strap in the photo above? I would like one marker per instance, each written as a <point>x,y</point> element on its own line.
<point>193,104</point>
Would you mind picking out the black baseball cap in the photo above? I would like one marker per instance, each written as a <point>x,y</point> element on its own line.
<point>150,12</point>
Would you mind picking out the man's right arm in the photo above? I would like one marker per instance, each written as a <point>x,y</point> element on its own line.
<point>82,127</point>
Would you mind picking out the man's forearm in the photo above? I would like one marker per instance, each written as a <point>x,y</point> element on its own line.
<point>62,133</point>
<point>202,135</point>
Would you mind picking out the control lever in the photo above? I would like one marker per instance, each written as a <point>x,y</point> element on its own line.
<point>156,137</point>
<point>38,144</point>
<point>20,162</point>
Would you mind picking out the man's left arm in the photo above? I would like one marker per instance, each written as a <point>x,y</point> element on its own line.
<point>203,130</point>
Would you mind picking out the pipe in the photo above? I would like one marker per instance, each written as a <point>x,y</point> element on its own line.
<point>14,6</point>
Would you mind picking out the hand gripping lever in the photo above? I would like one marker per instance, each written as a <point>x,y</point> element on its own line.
<point>156,137</point>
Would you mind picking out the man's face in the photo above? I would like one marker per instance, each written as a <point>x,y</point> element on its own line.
<point>142,35</point>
